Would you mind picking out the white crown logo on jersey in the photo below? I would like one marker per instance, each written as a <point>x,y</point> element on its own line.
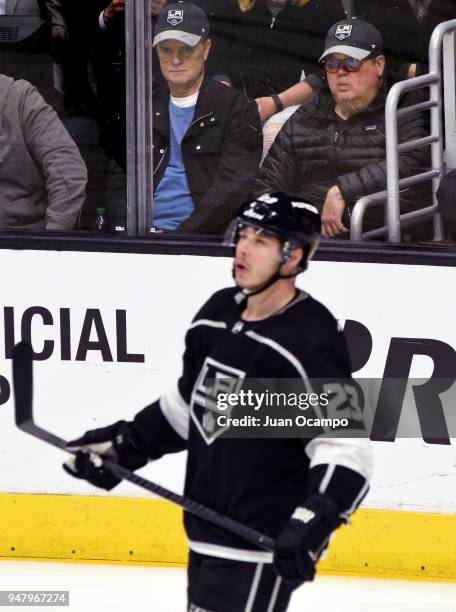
<point>214,378</point>
<point>175,17</point>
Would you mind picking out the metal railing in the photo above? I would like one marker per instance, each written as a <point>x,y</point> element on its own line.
<point>441,44</point>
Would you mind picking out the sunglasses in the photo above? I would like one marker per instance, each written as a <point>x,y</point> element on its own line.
<point>350,64</point>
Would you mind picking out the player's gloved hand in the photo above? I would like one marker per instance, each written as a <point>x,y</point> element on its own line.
<point>300,544</point>
<point>114,443</point>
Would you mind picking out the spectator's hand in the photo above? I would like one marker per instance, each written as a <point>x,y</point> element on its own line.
<point>59,33</point>
<point>331,217</point>
<point>113,11</point>
<point>156,6</point>
<point>266,108</point>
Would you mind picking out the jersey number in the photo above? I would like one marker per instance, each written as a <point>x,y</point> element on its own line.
<point>343,402</point>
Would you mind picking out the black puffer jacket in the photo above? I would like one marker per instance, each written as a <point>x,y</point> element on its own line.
<point>221,151</point>
<point>316,149</point>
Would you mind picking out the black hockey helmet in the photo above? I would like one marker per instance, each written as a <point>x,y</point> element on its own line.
<point>293,220</point>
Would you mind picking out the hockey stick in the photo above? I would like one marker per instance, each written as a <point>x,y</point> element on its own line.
<point>23,399</point>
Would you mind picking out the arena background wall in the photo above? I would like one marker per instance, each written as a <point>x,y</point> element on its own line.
<point>111,328</point>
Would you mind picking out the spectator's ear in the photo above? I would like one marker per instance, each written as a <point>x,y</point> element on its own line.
<point>207,48</point>
<point>381,65</point>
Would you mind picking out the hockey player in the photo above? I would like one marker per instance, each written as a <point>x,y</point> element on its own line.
<point>294,490</point>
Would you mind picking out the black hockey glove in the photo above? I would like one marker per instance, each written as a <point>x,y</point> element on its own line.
<point>300,544</point>
<point>113,443</point>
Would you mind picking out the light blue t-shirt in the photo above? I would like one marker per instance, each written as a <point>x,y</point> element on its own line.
<point>173,202</point>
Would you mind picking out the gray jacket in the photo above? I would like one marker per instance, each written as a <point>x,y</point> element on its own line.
<point>42,174</point>
<point>22,7</point>
<point>31,7</point>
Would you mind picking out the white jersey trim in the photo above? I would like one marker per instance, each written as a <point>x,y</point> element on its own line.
<point>234,554</point>
<point>254,588</point>
<point>176,411</point>
<point>327,477</point>
<point>353,453</point>
<point>275,592</point>
<point>209,323</point>
<point>357,501</point>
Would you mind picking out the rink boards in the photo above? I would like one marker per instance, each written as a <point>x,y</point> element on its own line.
<point>110,331</point>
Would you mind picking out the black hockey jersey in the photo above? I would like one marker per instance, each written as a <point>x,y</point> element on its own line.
<point>258,482</point>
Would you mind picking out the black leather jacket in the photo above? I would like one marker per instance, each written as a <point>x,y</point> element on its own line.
<point>221,152</point>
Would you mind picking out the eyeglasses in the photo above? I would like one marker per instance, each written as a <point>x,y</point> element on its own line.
<point>350,64</point>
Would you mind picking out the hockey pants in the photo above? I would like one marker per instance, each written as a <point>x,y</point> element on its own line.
<point>221,585</point>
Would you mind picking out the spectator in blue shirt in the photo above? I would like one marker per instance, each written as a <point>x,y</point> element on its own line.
<point>207,136</point>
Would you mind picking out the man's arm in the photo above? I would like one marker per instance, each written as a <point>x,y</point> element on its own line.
<point>278,169</point>
<point>57,156</point>
<point>340,471</point>
<point>116,9</point>
<point>331,216</point>
<point>160,428</point>
<point>238,163</point>
<point>340,467</point>
<point>296,94</point>
<point>373,177</point>
<point>53,10</point>
<point>110,15</point>
<point>370,179</point>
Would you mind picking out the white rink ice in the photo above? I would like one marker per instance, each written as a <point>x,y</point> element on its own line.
<point>118,588</point>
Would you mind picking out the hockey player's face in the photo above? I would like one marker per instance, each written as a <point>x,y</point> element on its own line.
<point>256,259</point>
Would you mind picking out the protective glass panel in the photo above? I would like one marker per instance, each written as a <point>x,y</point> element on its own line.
<point>62,111</point>
<point>257,109</point>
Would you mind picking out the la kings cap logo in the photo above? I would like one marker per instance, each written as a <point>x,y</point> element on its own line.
<point>175,16</point>
<point>214,378</point>
<point>343,31</point>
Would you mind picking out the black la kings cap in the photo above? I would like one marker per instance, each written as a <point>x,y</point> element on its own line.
<point>353,37</point>
<point>181,21</point>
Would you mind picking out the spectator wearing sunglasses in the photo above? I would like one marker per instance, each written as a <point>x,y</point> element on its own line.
<point>333,147</point>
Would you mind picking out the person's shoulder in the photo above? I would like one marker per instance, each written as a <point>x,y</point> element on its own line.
<point>224,92</point>
<point>6,83</point>
<point>160,91</point>
<point>302,331</point>
<point>320,102</point>
<point>228,102</point>
<point>303,324</point>
<point>219,304</point>
<point>311,313</point>
<point>22,91</point>
<point>321,312</point>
